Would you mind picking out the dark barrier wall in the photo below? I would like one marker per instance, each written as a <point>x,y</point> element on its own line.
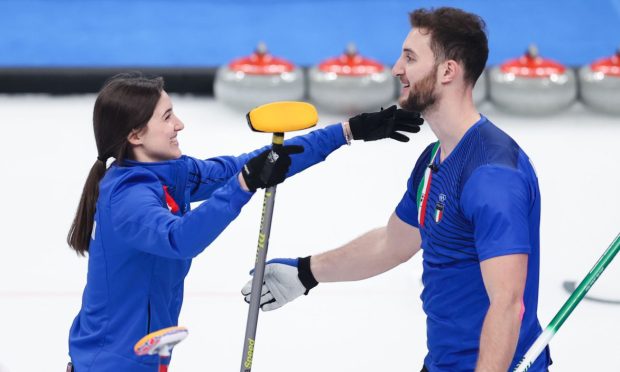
<point>67,39</point>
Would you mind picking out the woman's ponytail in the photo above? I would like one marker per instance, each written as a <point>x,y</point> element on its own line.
<point>82,226</point>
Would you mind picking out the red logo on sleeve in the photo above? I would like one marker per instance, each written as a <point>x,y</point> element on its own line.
<point>172,205</point>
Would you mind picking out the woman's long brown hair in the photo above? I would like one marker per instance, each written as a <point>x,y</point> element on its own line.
<point>126,102</point>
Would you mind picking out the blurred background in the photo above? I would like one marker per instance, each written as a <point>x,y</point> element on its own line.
<point>552,83</point>
<point>46,45</point>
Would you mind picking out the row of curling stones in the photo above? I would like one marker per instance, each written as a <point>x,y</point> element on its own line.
<point>533,85</point>
<point>351,83</point>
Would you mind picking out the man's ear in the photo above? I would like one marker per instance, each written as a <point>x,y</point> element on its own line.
<point>135,137</point>
<point>449,70</point>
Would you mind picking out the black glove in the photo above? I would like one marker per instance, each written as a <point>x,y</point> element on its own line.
<point>269,168</point>
<point>385,123</point>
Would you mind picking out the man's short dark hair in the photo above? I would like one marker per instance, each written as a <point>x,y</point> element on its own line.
<point>457,35</point>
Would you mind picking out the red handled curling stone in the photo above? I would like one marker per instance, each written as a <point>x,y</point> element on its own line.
<point>600,84</point>
<point>480,89</point>
<point>260,78</point>
<point>351,83</point>
<point>532,85</point>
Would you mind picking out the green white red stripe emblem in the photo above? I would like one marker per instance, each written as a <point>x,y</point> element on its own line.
<point>424,187</point>
<point>438,212</point>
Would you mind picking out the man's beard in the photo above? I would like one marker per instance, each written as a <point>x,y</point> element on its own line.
<point>422,94</point>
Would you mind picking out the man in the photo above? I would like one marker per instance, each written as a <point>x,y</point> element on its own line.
<point>472,205</point>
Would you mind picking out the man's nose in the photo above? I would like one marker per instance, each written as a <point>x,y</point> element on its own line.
<point>397,69</point>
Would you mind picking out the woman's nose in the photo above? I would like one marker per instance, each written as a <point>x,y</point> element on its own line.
<point>179,125</point>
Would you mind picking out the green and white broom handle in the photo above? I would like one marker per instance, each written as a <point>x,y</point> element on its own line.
<point>545,337</point>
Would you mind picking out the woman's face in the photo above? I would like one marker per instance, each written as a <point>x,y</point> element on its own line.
<point>158,140</point>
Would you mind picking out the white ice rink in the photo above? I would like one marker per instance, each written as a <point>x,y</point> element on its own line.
<point>369,326</point>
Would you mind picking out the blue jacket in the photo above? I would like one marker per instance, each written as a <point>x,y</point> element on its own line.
<point>140,251</point>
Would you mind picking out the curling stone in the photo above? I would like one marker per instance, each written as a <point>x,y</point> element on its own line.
<point>532,85</point>
<point>257,79</point>
<point>600,84</point>
<point>351,83</point>
<point>480,89</point>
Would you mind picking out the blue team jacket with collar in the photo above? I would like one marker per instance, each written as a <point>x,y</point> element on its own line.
<point>140,251</point>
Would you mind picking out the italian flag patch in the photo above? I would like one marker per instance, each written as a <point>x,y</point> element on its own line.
<point>438,211</point>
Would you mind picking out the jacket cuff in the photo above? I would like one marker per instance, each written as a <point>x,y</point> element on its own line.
<point>305,274</point>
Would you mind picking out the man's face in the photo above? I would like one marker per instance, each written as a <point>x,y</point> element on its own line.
<point>417,69</point>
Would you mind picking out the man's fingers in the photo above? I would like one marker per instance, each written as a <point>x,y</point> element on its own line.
<point>266,296</point>
<point>271,306</point>
<point>247,288</point>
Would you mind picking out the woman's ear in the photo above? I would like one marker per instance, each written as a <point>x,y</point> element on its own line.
<point>135,137</point>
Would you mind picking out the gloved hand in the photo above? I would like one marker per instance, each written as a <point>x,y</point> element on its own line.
<point>269,168</point>
<point>285,279</point>
<point>385,123</point>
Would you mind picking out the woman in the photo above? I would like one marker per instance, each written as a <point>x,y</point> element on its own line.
<point>134,218</point>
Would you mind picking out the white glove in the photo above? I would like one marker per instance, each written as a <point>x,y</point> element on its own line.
<point>285,279</point>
